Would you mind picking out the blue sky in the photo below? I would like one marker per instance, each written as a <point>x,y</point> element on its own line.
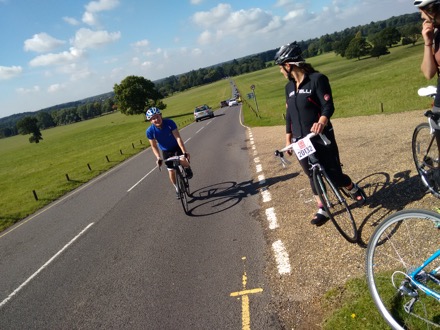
<point>55,51</point>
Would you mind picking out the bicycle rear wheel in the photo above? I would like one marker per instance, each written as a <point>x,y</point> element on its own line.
<point>400,244</point>
<point>336,206</point>
<point>181,187</point>
<point>426,155</point>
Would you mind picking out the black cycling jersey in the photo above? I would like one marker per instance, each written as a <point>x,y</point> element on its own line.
<point>305,105</point>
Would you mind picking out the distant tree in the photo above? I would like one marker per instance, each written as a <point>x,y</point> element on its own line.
<point>410,34</point>
<point>28,125</point>
<point>379,50</point>
<point>134,94</point>
<point>45,120</point>
<point>390,36</point>
<point>357,48</point>
<point>340,46</point>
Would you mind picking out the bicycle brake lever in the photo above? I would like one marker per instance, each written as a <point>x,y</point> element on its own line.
<point>325,139</point>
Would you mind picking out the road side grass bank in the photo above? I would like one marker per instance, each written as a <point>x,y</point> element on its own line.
<point>71,155</point>
<point>351,307</point>
<point>360,87</point>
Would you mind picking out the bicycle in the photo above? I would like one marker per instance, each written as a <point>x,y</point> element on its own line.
<point>403,269</point>
<point>425,147</point>
<point>182,182</point>
<point>331,196</point>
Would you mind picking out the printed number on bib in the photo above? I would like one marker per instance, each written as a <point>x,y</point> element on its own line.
<point>303,148</point>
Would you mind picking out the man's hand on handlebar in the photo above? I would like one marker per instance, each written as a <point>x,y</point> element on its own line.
<point>159,162</point>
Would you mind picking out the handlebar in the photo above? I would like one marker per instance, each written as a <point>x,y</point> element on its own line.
<point>280,153</point>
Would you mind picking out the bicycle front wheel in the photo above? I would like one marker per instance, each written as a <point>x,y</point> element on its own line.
<point>398,246</point>
<point>182,191</point>
<point>426,155</point>
<point>335,205</point>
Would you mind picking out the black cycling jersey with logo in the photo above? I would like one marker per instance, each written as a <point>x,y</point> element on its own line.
<point>305,105</point>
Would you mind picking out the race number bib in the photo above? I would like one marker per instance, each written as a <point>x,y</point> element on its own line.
<point>303,148</point>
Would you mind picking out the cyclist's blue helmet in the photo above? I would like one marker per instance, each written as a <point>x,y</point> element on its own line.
<point>151,112</point>
<point>289,53</point>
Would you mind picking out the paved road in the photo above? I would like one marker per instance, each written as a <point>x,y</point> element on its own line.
<point>120,253</point>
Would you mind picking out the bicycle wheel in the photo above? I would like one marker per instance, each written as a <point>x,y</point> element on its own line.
<point>426,155</point>
<point>400,244</point>
<point>182,190</point>
<point>335,205</point>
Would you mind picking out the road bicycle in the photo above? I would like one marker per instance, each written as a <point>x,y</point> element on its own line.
<point>331,196</point>
<point>425,146</point>
<point>182,182</point>
<point>403,269</point>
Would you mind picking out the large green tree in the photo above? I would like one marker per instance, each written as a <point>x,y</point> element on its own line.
<point>135,94</point>
<point>29,125</point>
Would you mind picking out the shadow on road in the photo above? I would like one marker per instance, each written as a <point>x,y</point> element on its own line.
<point>221,196</point>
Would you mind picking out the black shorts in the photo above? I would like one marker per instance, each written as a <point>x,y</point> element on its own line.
<point>170,153</point>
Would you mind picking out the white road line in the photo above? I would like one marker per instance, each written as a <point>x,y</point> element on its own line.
<point>259,168</point>
<point>44,266</point>
<point>261,179</point>
<point>272,218</point>
<point>282,258</point>
<point>132,187</point>
<point>267,197</point>
<point>200,129</point>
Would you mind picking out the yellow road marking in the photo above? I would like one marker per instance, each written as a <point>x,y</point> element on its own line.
<point>244,294</point>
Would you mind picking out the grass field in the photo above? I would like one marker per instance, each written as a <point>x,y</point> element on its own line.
<point>360,87</point>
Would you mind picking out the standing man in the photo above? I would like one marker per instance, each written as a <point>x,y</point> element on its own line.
<point>163,134</point>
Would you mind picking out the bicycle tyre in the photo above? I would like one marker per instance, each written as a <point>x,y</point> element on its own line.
<point>402,242</point>
<point>426,155</point>
<point>181,188</point>
<point>335,205</point>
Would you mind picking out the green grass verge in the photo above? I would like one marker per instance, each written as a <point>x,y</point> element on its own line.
<point>351,307</point>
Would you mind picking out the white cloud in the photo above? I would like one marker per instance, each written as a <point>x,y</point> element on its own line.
<point>196,2</point>
<point>34,89</point>
<point>42,42</point>
<point>71,20</point>
<point>55,88</point>
<point>89,18</point>
<point>222,22</point>
<point>141,43</point>
<point>93,7</point>
<point>86,38</point>
<point>101,5</point>
<point>8,72</point>
<point>65,57</point>
<point>215,16</point>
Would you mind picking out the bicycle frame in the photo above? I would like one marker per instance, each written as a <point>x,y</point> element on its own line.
<point>413,275</point>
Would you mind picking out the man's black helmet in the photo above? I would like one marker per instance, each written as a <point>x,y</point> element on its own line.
<point>289,53</point>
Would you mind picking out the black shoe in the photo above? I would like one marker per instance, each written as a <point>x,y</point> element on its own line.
<point>321,217</point>
<point>358,195</point>
<point>177,195</point>
<point>189,172</point>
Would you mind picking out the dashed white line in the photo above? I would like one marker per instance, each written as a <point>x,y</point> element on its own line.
<point>282,257</point>
<point>272,218</point>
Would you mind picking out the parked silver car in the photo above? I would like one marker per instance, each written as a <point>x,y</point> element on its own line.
<point>203,111</point>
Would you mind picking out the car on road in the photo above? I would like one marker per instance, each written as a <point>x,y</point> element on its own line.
<point>203,111</point>
<point>224,103</point>
<point>232,102</point>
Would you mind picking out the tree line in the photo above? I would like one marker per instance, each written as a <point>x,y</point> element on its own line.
<point>133,95</point>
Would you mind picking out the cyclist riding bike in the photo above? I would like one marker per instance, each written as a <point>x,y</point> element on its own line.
<point>309,106</point>
<point>164,135</point>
